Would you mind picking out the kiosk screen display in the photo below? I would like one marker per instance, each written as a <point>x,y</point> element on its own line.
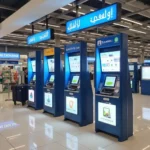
<point>139,66</point>
<point>33,65</point>
<point>51,65</point>
<point>34,78</point>
<point>75,79</point>
<point>145,73</point>
<point>110,81</point>
<point>52,78</point>
<point>74,62</point>
<point>110,61</point>
<point>131,67</point>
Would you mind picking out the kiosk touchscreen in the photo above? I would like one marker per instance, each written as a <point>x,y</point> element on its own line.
<point>53,82</point>
<point>33,68</point>
<point>51,69</point>
<point>113,95</point>
<point>110,82</point>
<point>145,81</point>
<point>34,88</point>
<point>134,77</point>
<point>78,91</point>
<point>52,78</point>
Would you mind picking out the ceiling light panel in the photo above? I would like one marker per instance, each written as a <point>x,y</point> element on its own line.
<point>132,21</point>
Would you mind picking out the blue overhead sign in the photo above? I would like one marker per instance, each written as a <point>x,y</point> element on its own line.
<point>103,16</point>
<point>40,37</point>
<point>73,47</point>
<point>12,62</point>
<point>113,40</point>
<point>12,56</point>
<point>146,61</point>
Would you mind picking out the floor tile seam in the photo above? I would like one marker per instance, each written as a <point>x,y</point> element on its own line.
<point>42,145</point>
<point>139,132</point>
<point>103,146</point>
<point>136,114</point>
<point>61,145</point>
<point>10,144</point>
<point>74,134</point>
<point>67,147</point>
<point>26,134</point>
<point>109,145</point>
<point>47,144</point>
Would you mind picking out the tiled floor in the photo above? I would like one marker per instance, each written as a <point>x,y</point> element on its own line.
<point>22,128</point>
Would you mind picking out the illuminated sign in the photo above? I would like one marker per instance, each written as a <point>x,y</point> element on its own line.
<point>108,41</point>
<point>107,113</point>
<point>146,61</point>
<point>12,62</point>
<point>100,17</point>
<point>14,56</point>
<point>48,99</point>
<point>71,105</point>
<point>31,95</point>
<point>73,47</point>
<point>49,52</point>
<point>40,37</point>
<point>8,124</point>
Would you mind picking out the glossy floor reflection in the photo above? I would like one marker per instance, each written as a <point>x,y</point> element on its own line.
<point>22,128</point>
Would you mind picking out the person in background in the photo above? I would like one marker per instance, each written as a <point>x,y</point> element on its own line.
<point>26,75</point>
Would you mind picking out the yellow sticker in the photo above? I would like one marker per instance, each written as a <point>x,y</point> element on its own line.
<point>49,52</point>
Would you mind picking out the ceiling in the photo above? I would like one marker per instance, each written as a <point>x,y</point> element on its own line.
<point>135,22</point>
<point>8,7</point>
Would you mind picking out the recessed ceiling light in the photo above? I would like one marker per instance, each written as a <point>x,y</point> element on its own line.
<point>79,12</point>
<point>60,34</point>
<point>132,21</point>
<point>31,30</point>
<point>69,4</point>
<point>64,9</point>
<point>49,25</point>
<point>92,10</point>
<point>137,31</point>
<point>121,25</point>
<point>96,34</point>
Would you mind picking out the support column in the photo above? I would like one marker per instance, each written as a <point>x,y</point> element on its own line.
<point>57,41</point>
<point>142,57</point>
<point>6,49</point>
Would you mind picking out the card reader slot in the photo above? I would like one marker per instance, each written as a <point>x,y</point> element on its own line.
<point>107,91</point>
<point>73,88</point>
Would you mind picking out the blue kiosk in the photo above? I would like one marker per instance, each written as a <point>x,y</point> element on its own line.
<point>145,81</point>
<point>35,94</point>
<point>113,94</point>
<point>134,77</point>
<point>78,93</point>
<point>53,82</point>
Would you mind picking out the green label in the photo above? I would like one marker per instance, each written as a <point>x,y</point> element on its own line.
<point>109,83</point>
<point>116,39</point>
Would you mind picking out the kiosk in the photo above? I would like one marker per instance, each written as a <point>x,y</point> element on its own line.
<point>78,91</point>
<point>145,81</point>
<point>35,89</point>
<point>53,82</point>
<point>113,99</point>
<point>134,77</point>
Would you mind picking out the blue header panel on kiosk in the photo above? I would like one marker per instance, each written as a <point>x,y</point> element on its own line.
<point>53,82</point>
<point>78,91</point>
<point>145,79</point>
<point>113,95</point>
<point>134,77</point>
<point>34,88</point>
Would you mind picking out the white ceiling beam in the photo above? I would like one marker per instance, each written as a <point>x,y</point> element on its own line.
<point>30,12</point>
